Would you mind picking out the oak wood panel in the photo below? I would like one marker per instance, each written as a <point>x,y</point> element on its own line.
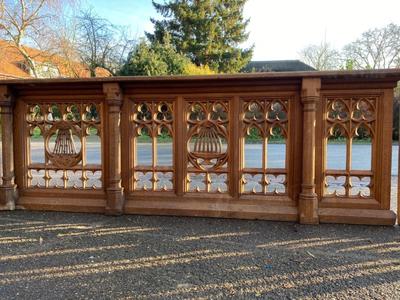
<point>118,118</point>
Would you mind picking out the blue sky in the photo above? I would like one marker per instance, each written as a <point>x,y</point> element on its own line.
<point>133,13</point>
<point>279,29</point>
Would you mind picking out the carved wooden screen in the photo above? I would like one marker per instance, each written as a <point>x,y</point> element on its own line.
<point>64,145</point>
<point>265,124</point>
<point>153,132</point>
<point>350,121</point>
<point>207,145</point>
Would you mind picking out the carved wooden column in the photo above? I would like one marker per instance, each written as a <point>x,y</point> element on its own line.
<point>115,192</point>
<point>308,200</point>
<point>8,189</point>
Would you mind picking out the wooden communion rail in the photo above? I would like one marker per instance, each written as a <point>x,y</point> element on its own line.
<point>202,146</point>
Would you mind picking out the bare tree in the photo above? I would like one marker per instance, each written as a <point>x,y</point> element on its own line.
<point>26,23</point>
<point>377,48</point>
<point>321,57</point>
<point>66,43</point>
<point>102,44</point>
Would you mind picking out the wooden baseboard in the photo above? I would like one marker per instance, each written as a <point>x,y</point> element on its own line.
<point>62,204</point>
<point>8,206</point>
<point>216,210</point>
<point>209,209</point>
<point>357,216</point>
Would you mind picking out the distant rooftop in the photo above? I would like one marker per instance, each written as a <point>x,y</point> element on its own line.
<point>14,66</point>
<point>276,66</point>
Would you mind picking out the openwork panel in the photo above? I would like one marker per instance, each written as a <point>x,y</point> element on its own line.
<point>265,131</point>
<point>207,140</point>
<point>153,130</point>
<point>350,129</point>
<point>64,145</point>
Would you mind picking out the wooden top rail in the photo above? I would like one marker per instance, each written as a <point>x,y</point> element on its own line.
<point>327,77</point>
<point>360,74</point>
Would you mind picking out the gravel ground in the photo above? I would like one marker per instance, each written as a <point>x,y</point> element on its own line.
<point>88,256</point>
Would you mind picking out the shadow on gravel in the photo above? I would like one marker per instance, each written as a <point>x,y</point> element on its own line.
<point>60,255</point>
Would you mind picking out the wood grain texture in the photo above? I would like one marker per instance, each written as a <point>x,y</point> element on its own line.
<point>308,201</point>
<point>8,191</point>
<point>207,120</point>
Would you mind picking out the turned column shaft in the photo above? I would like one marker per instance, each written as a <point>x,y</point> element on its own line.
<point>115,199</point>
<point>8,187</point>
<point>114,147</point>
<point>7,145</point>
<point>308,201</point>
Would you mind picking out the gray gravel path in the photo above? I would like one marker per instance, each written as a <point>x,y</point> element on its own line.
<point>87,256</point>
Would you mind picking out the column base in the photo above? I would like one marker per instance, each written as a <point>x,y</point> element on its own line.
<point>308,209</point>
<point>115,202</point>
<point>8,196</point>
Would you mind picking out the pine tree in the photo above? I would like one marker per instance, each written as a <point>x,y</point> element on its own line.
<point>160,59</point>
<point>209,32</point>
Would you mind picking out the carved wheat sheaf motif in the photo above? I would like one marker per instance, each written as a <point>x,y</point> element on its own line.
<point>64,143</point>
<point>208,152</point>
<point>207,145</point>
<point>64,153</point>
<point>207,132</point>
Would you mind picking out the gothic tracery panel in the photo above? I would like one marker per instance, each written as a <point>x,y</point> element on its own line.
<point>153,129</point>
<point>265,127</point>
<point>350,128</point>
<point>60,137</point>
<point>207,140</point>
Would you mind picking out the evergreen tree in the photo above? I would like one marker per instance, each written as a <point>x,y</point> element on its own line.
<point>160,59</point>
<point>209,32</point>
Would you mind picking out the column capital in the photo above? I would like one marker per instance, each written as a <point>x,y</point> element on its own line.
<point>6,96</point>
<point>113,93</point>
<point>310,89</point>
